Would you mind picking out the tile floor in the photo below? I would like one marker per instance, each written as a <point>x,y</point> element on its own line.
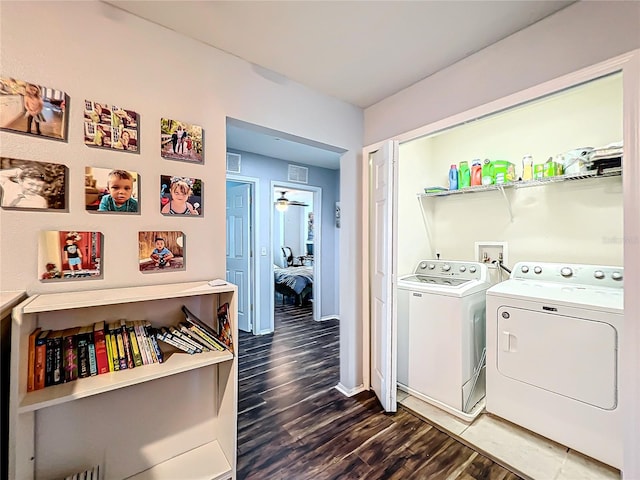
<point>525,453</point>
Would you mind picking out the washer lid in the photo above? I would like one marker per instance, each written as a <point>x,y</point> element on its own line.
<point>593,298</point>
<point>434,280</point>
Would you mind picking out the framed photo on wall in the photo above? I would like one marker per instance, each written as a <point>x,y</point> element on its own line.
<point>181,141</point>
<point>111,190</point>
<point>110,126</point>
<point>32,109</point>
<point>64,255</point>
<point>161,251</point>
<point>30,185</point>
<point>180,195</point>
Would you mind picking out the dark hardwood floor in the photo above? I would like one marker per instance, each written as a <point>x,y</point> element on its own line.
<point>294,425</point>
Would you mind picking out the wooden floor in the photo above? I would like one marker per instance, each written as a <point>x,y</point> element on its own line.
<point>294,425</point>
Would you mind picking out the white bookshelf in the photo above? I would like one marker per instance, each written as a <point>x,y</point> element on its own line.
<point>148,422</point>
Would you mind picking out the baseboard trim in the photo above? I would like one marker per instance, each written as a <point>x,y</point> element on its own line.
<point>329,317</point>
<point>349,392</point>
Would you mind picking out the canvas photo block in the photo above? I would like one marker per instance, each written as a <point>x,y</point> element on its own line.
<point>111,190</point>
<point>110,126</point>
<point>32,109</point>
<point>181,141</point>
<point>29,185</point>
<point>180,195</point>
<point>65,255</point>
<point>161,251</point>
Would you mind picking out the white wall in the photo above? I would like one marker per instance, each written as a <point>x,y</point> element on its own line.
<point>580,35</point>
<point>93,51</point>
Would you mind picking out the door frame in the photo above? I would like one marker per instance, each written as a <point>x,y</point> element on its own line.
<point>254,260</point>
<point>317,244</point>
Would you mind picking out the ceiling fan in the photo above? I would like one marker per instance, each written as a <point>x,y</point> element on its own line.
<point>282,203</point>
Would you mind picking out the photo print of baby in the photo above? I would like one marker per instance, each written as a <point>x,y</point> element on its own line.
<point>27,185</point>
<point>161,251</point>
<point>181,141</point>
<point>65,255</point>
<point>111,190</point>
<point>32,109</point>
<point>109,126</point>
<point>180,195</point>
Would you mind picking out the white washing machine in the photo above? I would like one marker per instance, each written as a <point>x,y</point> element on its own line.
<point>441,335</point>
<point>553,336</point>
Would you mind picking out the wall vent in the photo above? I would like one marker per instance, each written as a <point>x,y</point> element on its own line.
<point>298,174</point>
<point>233,163</point>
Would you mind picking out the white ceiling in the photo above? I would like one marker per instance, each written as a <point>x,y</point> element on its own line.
<point>357,51</point>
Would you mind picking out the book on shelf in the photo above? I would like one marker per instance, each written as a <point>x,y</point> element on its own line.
<point>197,346</point>
<point>70,349</point>
<point>100,343</point>
<point>204,329</point>
<point>31,360</point>
<point>83,341</point>
<point>224,326</point>
<point>128,351</point>
<point>165,336</point>
<point>133,342</point>
<point>119,354</point>
<point>143,345</point>
<point>156,351</point>
<point>202,336</point>
<point>54,364</point>
<point>40,360</point>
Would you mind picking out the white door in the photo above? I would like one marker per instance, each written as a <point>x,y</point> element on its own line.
<point>238,250</point>
<point>382,260</point>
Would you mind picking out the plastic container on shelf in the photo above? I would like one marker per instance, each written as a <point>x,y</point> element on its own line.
<point>476,173</point>
<point>464,175</point>
<point>453,178</point>
<point>487,172</point>
<point>527,167</point>
<point>503,171</point>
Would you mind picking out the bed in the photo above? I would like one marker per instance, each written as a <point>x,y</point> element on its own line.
<point>296,282</point>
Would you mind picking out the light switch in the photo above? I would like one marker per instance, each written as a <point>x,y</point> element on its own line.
<point>263,251</point>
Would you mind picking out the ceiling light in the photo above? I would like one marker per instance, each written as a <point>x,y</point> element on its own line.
<point>282,203</point>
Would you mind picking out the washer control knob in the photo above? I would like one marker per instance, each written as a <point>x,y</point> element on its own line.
<point>524,269</point>
<point>446,267</point>
<point>599,274</point>
<point>472,269</point>
<point>431,266</point>
<point>423,265</point>
<point>463,268</point>
<point>616,275</point>
<point>566,272</point>
<point>537,269</point>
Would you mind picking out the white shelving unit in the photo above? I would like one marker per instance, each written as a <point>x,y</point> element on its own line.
<point>171,420</point>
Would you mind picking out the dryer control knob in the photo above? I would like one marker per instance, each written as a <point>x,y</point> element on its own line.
<point>431,266</point>
<point>472,269</point>
<point>616,275</point>
<point>537,269</point>
<point>566,272</point>
<point>524,269</point>
<point>446,267</point>
<point>463,268</point>
<point>423,265</point>
<point>598,274</point>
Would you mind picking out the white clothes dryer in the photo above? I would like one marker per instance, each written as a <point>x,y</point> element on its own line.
<point>441,335</point>
<point>553,337</point>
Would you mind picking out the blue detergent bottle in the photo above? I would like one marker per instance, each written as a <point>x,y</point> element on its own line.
<point>453,177</point>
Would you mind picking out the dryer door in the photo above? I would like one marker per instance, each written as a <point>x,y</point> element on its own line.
<point>568,356</point>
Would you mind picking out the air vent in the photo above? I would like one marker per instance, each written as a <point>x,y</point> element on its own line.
<point>298,174</point>
<point>233,163</point>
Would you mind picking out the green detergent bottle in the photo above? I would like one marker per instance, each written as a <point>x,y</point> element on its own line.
<point>464,175</point>
<point>487,172</point>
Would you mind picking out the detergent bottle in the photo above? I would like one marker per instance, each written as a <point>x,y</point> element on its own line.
<point>464,175</point>
<point>527,167</point>
<point>453,178</point>
<point>476,173</point>
<point>487,172</point>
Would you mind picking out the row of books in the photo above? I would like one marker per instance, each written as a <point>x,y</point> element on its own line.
<point>91,474</point>
<point>195,336</point>
<point>60,356</point>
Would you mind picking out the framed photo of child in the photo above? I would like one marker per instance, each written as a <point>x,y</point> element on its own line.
<point>65,255</point>
<point>110,126</point>
<point>29,185</point>
<point>33,109</point>
<point>161,251</point>
<point>111,190</point>
<point>181,141</point>
<point>180,195</point>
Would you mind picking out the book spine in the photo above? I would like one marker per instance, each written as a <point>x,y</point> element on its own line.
<point>70,347</point>
<point>40,361</point>
<point>143,343</point>
<point>165,336</point>
<point>49,362</point>
<point>102,358</point>
<point>203,336</point>
<point>115,352</point>
<point>184,329</point>
<point>185,339</point>
<point>31,362</point>
<point>93,361</point>
<point>135,347</point>
<point>151,335</point>
<point>58,375</point>
<point>128,353</point>
<point>83,355</point>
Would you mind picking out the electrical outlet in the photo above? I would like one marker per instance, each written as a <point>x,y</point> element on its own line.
<point>490,252</point>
